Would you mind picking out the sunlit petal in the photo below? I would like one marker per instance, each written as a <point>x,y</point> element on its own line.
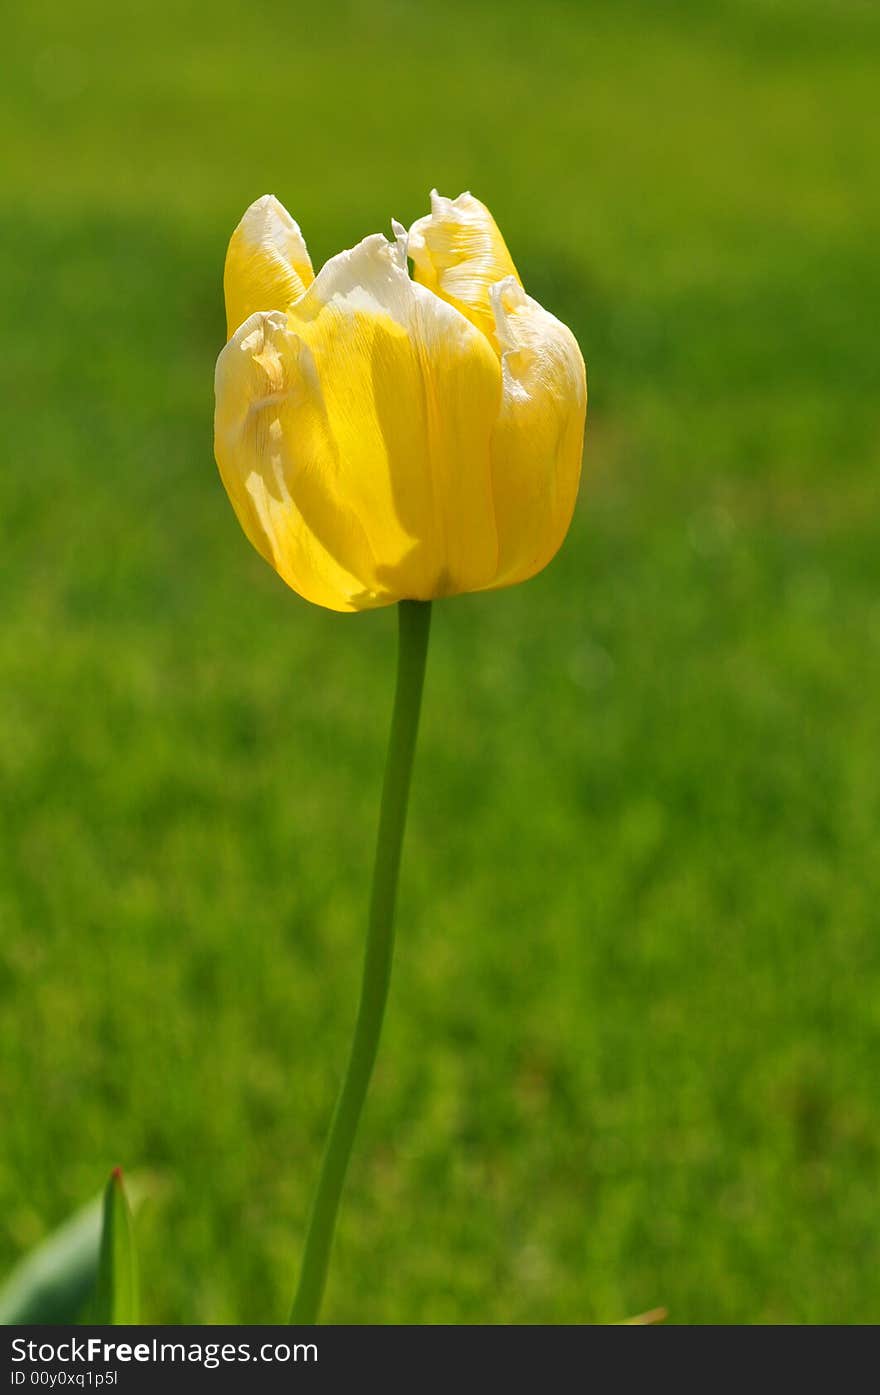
<point>459,254</point>
<point>537,443</point>
<point>277,497</point>
<point>267,263</point>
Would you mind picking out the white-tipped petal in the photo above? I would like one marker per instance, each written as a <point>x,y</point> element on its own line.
<point>537,443</point>
<point>267,263</point>
<point>400,246</point>
<point>459,254</point>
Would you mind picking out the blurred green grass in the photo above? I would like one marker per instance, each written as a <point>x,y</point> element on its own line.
<point>634,1042</point>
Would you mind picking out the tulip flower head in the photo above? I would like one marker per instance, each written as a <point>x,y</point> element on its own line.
<point>387,437</point>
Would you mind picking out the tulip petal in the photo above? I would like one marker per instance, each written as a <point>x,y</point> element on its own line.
<point>459,254</point>
<point>267,263</point>
<point>537,444</point>
<point>257,373</point>
<point>353,435</point>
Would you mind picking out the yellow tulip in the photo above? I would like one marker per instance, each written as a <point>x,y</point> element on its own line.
<point>385,438</point>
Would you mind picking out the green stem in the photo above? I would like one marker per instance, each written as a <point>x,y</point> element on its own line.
<point>415,623</point>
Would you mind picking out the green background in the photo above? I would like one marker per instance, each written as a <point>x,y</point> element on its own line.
<point>633,1044</point>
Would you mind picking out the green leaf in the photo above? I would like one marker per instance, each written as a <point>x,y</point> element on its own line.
<point>117,1300</point>
<point>52,1283</point>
